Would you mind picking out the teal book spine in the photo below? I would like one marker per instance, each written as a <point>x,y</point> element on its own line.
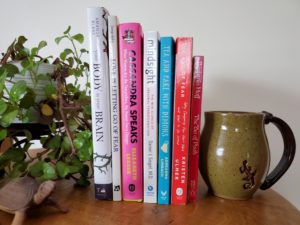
<point>166,86</point>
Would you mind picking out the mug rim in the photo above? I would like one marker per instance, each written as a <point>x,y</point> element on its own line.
<point>235,113</point>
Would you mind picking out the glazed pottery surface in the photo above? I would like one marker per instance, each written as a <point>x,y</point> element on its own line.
<point>234,154</point>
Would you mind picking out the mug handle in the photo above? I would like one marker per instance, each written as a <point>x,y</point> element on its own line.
<point>288,151</point>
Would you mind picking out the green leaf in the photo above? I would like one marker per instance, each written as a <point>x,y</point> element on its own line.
<point>58,39</point>
<point>65,53</point>
<point>28,100</point>
<point>85,152</point>
<point>54,142</point>
<point>27,146</point>
<point>83,144</point>
<point>25,52</point>
<point>73,125</point>
<point>84,171</point>
<point>34,51</point>
<point>14,155</point>
<point>67,30</point>
<point>83,182</point>
<point>70,61</point>
<point>30,115</point>
<point>42,77</point>
<point>3,106</point>
<point>18,169</point>
<point>11,69</point>
<point>28,135</point>
<point>66,144</point>
<point>26,64</point>
<point>53,127</point>
<point>3,74</point>
<point>75,169</point>
<point>43,140</point>
<point>36,169</point>
<point>43,171</point>
<point>79,38</point>
<point>53,155</point>
<point>21,40</point>
<point>42,44</point>
<point>83,50</point>
<point>3,134</point>
<point>8,118</point>
<point>87,110</point>
<point>18,90</point>
<point>62,169</point>
<point>19,46</point>
<point>85,134</point>
<point>79,142</point>
<point>50,90</point>
<point>49,173</point>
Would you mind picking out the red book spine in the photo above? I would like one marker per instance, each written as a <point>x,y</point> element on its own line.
<point>195,125</point>
<point>181,119</point>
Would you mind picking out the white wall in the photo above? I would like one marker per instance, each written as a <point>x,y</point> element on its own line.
<point>251,48</point>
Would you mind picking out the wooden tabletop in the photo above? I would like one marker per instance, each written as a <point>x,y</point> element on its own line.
<point>266,208</point>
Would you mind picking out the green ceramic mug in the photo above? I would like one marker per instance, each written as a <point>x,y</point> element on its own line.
<point>235,156</point>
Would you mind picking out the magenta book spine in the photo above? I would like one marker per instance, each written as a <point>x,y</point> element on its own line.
<point>130,51</point>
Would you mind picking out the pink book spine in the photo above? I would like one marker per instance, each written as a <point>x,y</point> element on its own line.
<point>130,49</point>
<point>195,125</point>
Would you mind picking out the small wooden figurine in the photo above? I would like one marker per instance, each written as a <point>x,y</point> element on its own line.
<point>18,195</point>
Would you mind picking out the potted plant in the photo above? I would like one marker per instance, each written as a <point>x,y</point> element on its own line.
<point>34,86</point>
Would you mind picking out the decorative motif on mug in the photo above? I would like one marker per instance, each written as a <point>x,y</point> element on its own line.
<point>249,175</point>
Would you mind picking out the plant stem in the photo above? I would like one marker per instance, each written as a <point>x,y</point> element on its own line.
<point>62,114</point>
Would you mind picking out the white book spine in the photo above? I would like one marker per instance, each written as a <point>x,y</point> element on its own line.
<point>150,104</point>
<point>100,103</point>
<point>115,106</point>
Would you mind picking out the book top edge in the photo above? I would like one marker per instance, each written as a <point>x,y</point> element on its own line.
<point>130,23</point>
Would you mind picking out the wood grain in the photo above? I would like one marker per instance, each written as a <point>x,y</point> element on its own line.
<point>265,208</point>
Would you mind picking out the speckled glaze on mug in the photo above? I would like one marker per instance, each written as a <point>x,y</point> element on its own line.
<point>235,156</point>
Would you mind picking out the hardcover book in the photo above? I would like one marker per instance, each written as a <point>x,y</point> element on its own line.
<point>150,109</point>
<point>166,85</point>
<point>130,50</point>
<point>195,126</point>
<point>181,119</point>
<point>114,106</point>
<point>97,30</point>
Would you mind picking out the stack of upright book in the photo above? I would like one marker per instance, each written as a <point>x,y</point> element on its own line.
<point>146,93</point>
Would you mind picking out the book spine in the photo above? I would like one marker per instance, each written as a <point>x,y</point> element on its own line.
<point>182,101</point>
<point>115,106</point>
<point>150,117</point>
<point>97,30</point>
<point>130,50</point>
<point>166,85</point>
<point>197,85</point>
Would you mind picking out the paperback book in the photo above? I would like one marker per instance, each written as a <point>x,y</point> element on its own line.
<point>166,88</point>
<point>114,106</point>
<point>100,103</point>
<point>181,122</point>
<point>130,50</point>
<point>150,118</point>
<point>196,100</point>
